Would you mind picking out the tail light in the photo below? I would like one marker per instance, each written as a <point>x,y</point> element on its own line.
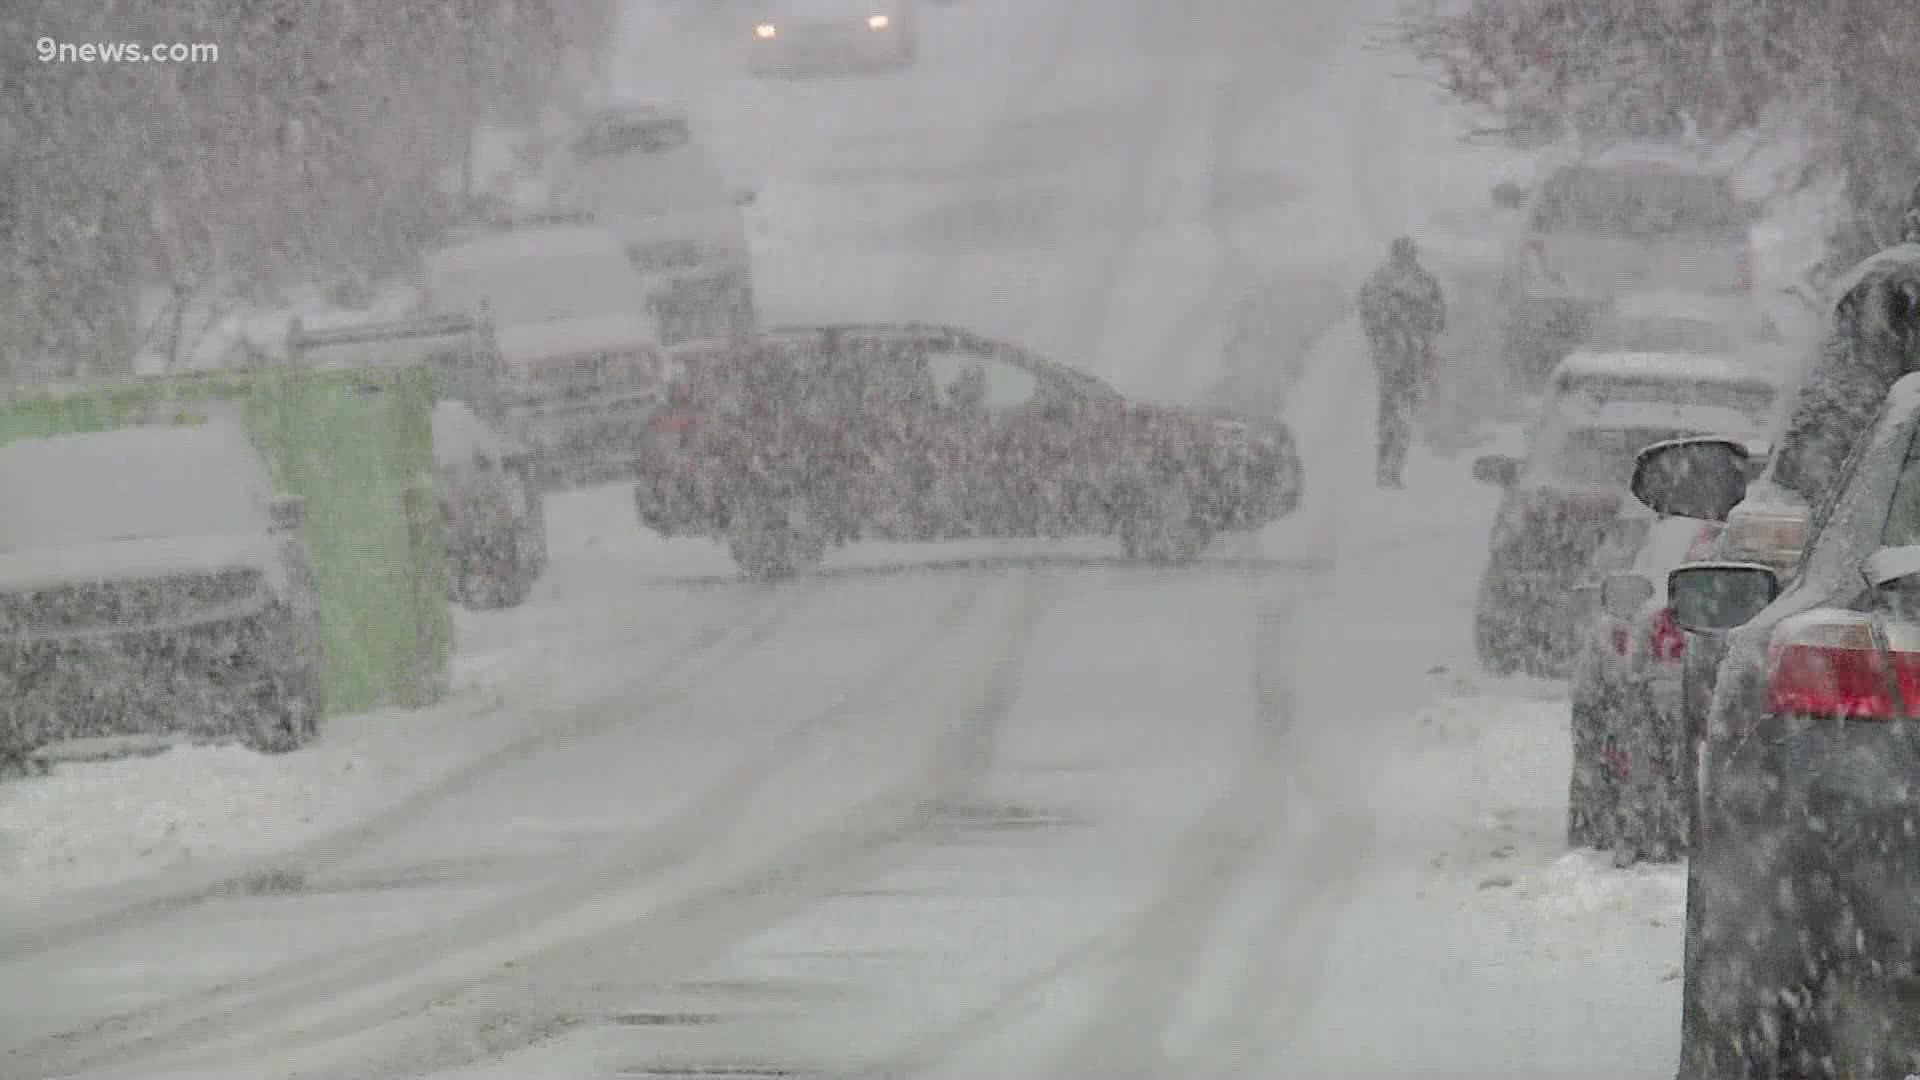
<point>1840,664</point>
<point>1621,641</point>
<point>1667,643</point>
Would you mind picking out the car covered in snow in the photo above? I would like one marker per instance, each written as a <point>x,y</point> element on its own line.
<point>152,582</point>
<point>823,435</point>
<point>1560,497</point>
<point>797,37</point>
<point>491,499</point>
<point>1629,778</point>
<point>1628,219</point>
<point>1803,923</point>
<point>638,169</point>
<point>582,357</point>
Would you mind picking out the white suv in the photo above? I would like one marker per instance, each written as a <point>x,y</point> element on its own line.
<point>1605,226</point>
<point>639,170</point>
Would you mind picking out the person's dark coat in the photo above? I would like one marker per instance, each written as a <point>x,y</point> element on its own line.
<point>1401,305</point>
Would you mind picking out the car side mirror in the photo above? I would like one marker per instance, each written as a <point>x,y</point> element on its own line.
<point>288,513</point>
<point>1499,470</point>
<point>1702,478</point>
<point>1718,596</point>
<point>745,197</point>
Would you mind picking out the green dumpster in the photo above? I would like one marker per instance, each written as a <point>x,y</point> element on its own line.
<point>357,445</point>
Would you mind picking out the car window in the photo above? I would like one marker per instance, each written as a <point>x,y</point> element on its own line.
<point>1639,202</point>
<point>1004,386</point>
<point>1903,516</point>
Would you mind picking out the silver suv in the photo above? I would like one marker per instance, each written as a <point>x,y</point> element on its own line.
<point>153,583</point>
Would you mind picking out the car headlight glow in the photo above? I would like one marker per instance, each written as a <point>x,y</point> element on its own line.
<point>878,22</point>
<point>765,31</point>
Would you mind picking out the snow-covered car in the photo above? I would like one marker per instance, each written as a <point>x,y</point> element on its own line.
<point>583,359</point>
<point>1631,219</point>
<point>1803,923</point>
<point>798,37</point>
<point>1626,791</point>
<point>152,582</point>
<point>494,508</point>
<point>821,435</point>
<point>1559,500</point>
<point>639,170</point>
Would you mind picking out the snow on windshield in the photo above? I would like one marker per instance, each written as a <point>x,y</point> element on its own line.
<point>130,485</point>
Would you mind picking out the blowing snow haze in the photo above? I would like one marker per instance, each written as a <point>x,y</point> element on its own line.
<point>869,538</point>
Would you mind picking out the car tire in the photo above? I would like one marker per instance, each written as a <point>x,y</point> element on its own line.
<point>1593,794</point>
<point>1164,527</point>
<point>773,547</point>
<point>286,715</point>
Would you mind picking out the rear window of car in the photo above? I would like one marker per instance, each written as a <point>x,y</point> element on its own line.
<point>613,138</point>
<point>1662,334</point>
<point>1639,202</point>
<point>1755,399</point>
<point>1605,455</point>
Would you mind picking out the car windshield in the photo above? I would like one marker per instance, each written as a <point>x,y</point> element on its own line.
<point>536,290</point>
<point>1640,202</point>
<point>1597,455</point>
<point>127,486</point>
<point>627,171</point>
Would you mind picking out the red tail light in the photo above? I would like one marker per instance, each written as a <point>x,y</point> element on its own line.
<point>1835,663</point>
<point>1668,643</point>
<point>1621,640</point>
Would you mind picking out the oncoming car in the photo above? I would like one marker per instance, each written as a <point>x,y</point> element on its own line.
<point>153,583</point>
<point>795,37</point>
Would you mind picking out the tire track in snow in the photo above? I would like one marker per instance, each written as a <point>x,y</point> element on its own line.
<point>207,1015</point>
<point>678,669</point>
<point>590,978</point>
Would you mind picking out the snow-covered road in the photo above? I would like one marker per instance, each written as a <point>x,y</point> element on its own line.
<point>971,810</point>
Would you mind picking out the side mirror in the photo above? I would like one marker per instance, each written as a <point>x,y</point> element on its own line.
<point>1498,470</point>
<point>1508,196</point>
<point>1622,595</point>
<point>288,513</point>
<point>1702,478</point>
<point>745,197</point>
<point>1716,596</point>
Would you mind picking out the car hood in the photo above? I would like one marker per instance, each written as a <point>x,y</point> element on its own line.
<point>137,560</point>
<point>562,337</point>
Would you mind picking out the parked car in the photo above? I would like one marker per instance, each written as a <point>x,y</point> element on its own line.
<point>1630,219</point>
<point>583,360</point>
<point>638,170</point>
<point>1561,496</point>
<point>491,496</point>
<point>1803,927</point>
<point>822,435</point>
<point>797,37</point>
<point>153,583</point>
<point>1629,781</point>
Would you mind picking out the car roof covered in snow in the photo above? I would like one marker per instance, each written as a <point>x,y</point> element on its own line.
<point>1666,366</point>
<point>530,245</point>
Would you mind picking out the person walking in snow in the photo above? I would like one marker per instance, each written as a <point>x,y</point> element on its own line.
<point>1872,340</point>
<point>1402,311</point>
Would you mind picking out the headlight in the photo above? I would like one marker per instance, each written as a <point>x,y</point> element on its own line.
<point>765,31</point>
<point>878,22</point>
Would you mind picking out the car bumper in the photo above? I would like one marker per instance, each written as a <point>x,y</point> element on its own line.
<point>811,53</point>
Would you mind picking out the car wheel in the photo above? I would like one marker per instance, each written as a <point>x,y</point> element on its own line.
<point>1592,793</point>
<point>773,547</point>
<point>494,578</point>
<point>286,714</point>
<point>1165,526</point>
